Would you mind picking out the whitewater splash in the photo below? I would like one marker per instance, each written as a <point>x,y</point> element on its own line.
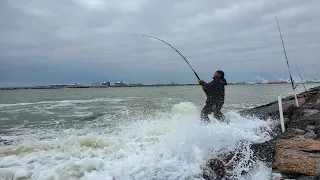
<point>171,145</point>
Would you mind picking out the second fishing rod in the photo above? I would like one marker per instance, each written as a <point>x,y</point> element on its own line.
<point>292,83</point>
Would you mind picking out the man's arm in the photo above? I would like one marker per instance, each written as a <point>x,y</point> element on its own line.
<point>207,85</point>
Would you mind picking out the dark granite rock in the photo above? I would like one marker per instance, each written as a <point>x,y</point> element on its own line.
<point>317,131</point>
<point>214,170</point>
<point>308,178</point>
<point>264,151</point>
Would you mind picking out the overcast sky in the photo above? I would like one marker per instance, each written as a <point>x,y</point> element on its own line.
<point>66,41</point>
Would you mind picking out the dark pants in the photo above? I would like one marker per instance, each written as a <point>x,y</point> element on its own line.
<point>212,107</point>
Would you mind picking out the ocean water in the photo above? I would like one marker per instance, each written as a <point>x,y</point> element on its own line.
<point>129,133</point>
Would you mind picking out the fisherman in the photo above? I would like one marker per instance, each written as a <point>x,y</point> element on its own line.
<point>215,91</point>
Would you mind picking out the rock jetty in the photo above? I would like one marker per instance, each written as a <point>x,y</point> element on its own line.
<point>294,154</point>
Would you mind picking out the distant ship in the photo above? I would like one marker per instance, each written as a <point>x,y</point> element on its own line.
<point>277,82</point>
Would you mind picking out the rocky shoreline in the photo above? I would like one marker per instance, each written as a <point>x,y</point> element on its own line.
<point>294,154</point>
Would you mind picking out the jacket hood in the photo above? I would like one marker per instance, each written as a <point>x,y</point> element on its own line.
<point>221,80</point>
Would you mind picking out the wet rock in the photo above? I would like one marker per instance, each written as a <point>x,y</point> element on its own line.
<point>274,113</point>
<point>296,131</point>
<point>310,128</point>
<point>302,101</point>
<point>292,132</point>
<point>264,151</point>
<point>286,120</point>
<point>296,177</point>
<point>314,96</point>
<point>297,113</point>
<point>310,134</point>
<point>317,131</point>
<point>265,111</point>
<point>303,122</point>
<point>309,112</point>
<point>308,178</point>
<point>214,170</point>
<point>209,174</point>
<point>289,111</point>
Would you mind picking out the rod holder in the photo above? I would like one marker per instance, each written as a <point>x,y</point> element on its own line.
<point>281,114</point>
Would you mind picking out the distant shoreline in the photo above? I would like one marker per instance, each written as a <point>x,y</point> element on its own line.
<point>124,86</point>
<point>111,86</point>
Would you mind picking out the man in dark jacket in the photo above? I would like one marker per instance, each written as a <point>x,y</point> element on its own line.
<point>215,91</point>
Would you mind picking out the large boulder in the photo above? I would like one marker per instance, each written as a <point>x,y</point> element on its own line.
<point>297,156</point>
<point>290,161</point>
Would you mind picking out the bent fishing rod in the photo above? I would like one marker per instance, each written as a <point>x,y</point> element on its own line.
<point>177,52</point>
<point>284,50</point>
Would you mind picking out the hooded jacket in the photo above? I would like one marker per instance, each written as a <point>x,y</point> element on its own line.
<point>215,90</point>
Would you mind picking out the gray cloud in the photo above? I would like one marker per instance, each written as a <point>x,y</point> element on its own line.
<point>100,38</point>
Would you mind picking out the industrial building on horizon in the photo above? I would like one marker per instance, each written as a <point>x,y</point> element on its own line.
<point>116,84</point>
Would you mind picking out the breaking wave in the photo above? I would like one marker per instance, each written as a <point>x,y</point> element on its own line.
<point>165,145</point>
